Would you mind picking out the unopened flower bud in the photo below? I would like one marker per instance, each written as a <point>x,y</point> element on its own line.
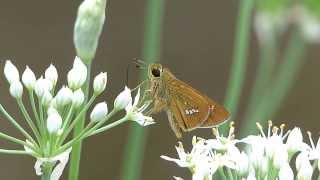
<point>88,27</point>
<point>11,72</point>
<point>64,96</point>
<point>41,86</point>
<point>77,98</point>
<point>77,75</point>
<point>54,122</point>
<point>99,112</point>
<point>46,98</point>
<point>16,89</point>
<point>123,99</point>
<point>99,83</point>
<point>29,79</point>
<point>51,74</point>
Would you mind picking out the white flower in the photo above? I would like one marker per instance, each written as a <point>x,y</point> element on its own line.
<point>64,96</point>
<point>46,98</point>
<point>99,83</point>
<point>309,25</point>
<point>304,167</point>
<point>77,75</point>
<point>62,160</point>
<point>242,164</point>
<point>123,99</point>
<point>286,172</point>
<point>11,72</point>
<point>295,142</point>
<point>41,86</point>
<point>224,144</point>
<point>134,112</point>
<point>99,112</point>
<point>54,122</point>
<point>313,151</point>
<point>51,74</point>
<point>28,78</point>
<point>77,98</point>
<point>16,89</point>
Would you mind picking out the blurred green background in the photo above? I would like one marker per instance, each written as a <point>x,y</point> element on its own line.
<point>197,46</point>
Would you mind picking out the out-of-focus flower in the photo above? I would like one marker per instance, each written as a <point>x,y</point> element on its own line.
<point>304,167</point>
<point>286,172</point>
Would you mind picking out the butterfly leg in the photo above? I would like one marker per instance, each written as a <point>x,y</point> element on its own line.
<point>174,126</point>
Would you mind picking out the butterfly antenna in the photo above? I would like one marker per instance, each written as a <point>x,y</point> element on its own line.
<point>138,64</point>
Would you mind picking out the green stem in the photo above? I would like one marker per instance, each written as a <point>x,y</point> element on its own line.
<point>29,120</point>
<point>222,174</point>
<point>14,152</point>
<point>34,109</point>
<point>230,175</point>
<point>14,122</point>
<point>107,127</point>
<point>240,53</point>
<point>288,70</point>
<point>151,50</point>
<point>265,71</point>
<point>47,170</point>
<point>76,149</point>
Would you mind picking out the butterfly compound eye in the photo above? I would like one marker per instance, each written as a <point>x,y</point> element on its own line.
<point>156,72</point>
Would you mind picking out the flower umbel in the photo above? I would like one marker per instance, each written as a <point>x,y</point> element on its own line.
<point>55,114</point>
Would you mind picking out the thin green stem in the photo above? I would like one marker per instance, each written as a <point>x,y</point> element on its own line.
<point>230,175</point>
<point>76,120</point>
<point>240,53</point>
<point>18,141</point>
<point>222,174</point>
<point>265,71</point>
<point>47,170</point>
<point>14,152</point>
<point>107,127</point>
<point>34,109</point>
<point>151,51</point>
<point>29,120</point>
<point>288,70</point>
<point>76,149</point>
<point>14,122</point>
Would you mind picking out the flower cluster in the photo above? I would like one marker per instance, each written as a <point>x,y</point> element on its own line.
<point>55,113</point>
<point>265,156</point>
<point>274,16</point>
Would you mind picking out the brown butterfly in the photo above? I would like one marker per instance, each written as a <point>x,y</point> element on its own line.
<point>187,108</point>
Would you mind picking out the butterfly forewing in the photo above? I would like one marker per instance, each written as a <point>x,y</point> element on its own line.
<point>189,106</point>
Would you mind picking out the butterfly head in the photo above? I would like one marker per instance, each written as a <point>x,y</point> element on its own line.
<point>155,71</point>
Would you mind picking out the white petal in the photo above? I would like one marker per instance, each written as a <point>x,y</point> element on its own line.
<point>136,98</point>
<point>63,160</point>
<point>286,173</point>
<point>11,72</point>
<point>124,100</point>
<point>177,161</point>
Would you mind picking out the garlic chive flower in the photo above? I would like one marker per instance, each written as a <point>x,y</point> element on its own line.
<point>77,98</point>
<point>263,156</point>
<point>135,113</point>
<point>99,83</point>
<point>99,112</point>
<point>51,74</point>
<point>77,75</point>
<point>64,96</point>
<point>54,122</point>
<point>29,79</point>
<point>11,72</point>
<point>16,89</point>
<point>123,99</point>
<point>54,114</point>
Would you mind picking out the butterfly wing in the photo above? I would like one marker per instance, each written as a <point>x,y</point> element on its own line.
<point>218,115</point>
<point>192,109</point>
<point>188,106</point>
